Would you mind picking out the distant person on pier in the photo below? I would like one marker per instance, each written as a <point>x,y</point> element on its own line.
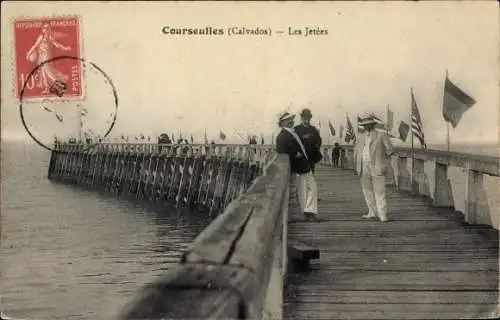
<point>336,155</point>
<point>289,142</point>
<point>372,150</point>
<point>310,137</point>
<point>253,150</point>
<point>163,139</point>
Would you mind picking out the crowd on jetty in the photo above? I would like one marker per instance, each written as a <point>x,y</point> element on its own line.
<point>161,139</point>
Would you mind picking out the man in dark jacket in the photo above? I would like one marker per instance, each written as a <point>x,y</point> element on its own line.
<point>310,137</point>
<point>336,155</point>
<point>289,142</point>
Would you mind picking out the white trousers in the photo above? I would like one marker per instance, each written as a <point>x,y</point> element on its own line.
<point>373,187</point>
<point>307,192</point>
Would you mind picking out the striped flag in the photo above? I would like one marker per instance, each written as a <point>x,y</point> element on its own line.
<point>416,122</point>
<point>349,133</point>
<point>455,103</point>
<point>390,119</point>
<point>404,128</point>
<point>332,129</point>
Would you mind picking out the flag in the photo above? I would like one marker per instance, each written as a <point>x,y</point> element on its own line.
<point>60,118</point>
<point>455,103</point>
<point>222,136</point>
<point>261,138</point>
<point>332,129</point>
<point>390,119</point>
<point>206,138</point>
<point>416,122</point>
<point>84,112</point>
<point>404,128</point>
<point>192,139</point>
<point>239,134</point>
<point>341,131</point>
<point>349,133</point>
<point>272,139</point>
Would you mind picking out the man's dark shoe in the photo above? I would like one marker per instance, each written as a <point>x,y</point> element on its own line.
<point>310,216</point>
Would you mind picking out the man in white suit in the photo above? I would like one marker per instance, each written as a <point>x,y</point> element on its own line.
<point>373,148</point>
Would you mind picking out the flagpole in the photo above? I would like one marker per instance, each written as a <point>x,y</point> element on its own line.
<point>448,136</point>
<point>411,131</point>
<point>447,122</point>
<point>387,124</point>
<point>80,124</point>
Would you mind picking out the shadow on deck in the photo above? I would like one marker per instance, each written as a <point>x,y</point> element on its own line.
<point>424,264</point>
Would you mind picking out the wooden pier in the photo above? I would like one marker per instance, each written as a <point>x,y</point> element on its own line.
<point>422,264</point>
<point>432,260</point>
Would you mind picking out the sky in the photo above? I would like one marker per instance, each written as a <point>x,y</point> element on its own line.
<point>371,57</point>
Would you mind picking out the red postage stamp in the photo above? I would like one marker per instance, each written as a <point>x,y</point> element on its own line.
<point>38,43</point>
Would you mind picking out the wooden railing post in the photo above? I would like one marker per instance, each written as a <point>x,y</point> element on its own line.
<point>418,177</point>
<point>351,161</point>
<point>390,176</point>
<point>473,186</point>
<point>343,158</point>
<point>403,174</point>
<point>443,195</point>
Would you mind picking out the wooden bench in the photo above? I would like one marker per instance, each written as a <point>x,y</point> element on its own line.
<point>300,255</point>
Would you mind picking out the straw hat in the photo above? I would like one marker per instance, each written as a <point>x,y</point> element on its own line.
<point>369,118</point>
<point>286,116</point>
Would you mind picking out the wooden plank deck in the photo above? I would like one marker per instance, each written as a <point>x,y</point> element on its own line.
<point>421,265</point>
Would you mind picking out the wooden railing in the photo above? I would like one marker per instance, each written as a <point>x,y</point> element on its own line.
<point>432,175</point>
<point>235,267</point>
